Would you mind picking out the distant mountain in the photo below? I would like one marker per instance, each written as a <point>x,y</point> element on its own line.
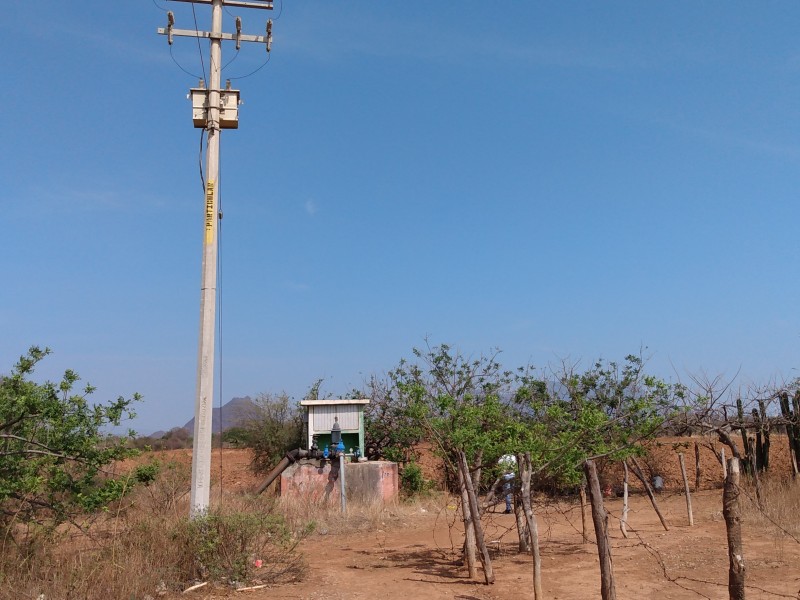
<point>234,413</point>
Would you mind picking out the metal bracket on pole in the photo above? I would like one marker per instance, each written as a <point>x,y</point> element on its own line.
<point>263,4</point>
<point>261,39</point>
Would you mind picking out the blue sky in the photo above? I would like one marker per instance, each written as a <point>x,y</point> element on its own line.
<point>560,179</point>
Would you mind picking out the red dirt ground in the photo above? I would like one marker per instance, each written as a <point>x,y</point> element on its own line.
<point>414,553</point>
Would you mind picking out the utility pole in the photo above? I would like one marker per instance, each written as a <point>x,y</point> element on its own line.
<point>214,109</point>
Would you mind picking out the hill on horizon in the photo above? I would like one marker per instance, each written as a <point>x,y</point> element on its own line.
<point>233,414</point>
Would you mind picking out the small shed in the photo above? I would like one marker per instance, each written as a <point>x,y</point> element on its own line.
<point>350,414</point>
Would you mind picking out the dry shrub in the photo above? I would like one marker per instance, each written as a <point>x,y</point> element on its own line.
<point>146,545</point>
<point>781,505</point>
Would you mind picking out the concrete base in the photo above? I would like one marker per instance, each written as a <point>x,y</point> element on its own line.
<point>364,482</point>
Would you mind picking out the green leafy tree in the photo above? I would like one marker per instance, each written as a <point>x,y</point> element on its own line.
<point>53,448</point>
<point>273,427</point>
<point>459,404</point>
<point>605,412</point>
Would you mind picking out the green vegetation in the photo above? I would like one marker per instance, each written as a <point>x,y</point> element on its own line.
<point>412,480</point>
<point>53,450</point>
<point>273,428</point>
<point>475,406</point>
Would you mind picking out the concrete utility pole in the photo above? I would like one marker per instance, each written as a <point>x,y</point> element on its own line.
<point>213,109</point>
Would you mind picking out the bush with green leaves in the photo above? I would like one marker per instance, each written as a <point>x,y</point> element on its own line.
<point>603,413</point>
<point>273,427</point>
<point>412,480</point>
<point>53,449</point>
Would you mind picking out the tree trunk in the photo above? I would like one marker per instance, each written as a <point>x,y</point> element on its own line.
<point>686,490</point>
<point>724,464</point>
<point>733,525</point>
<point>600,518</point>
<point>765,424</point>
<point>697,467</point>
<point>519,515</point>
<point>486,561</point>
<point>759,463</point>
<point>623,522</point>
<point>469,528</point>
<point>583,512</point>
<point>522,525</point>
<point>525,474</point>
<point>747,459</point>
<point>791,431</point>
<point>726,439</point>
<point>476,476</point>
<point>637,470</point>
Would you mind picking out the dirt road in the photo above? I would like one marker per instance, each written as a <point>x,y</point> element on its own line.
<point>416,556</point>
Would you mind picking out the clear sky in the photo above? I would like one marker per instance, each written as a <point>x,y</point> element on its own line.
<point>555,179</point>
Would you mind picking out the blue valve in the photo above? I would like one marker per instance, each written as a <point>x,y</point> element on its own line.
<point>325,452</point>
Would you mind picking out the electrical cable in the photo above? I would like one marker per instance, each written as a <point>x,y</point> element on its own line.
<point>200,160</point>
<point>159,7</point>
<point>199,49</point>
<point>235,56</point>
<point>269,56</point>
<point>179,65</point>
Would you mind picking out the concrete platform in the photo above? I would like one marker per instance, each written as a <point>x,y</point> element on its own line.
<point>364,482</point>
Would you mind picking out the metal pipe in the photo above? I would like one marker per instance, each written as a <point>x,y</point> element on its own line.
<point>287,460</point>
<point>341,478</point>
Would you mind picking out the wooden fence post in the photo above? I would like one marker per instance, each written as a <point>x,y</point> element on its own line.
<point>533,529</point>
<point>623,522</point>
<point>486,561</point>
<point>583,512</point>
<point>686,490</point>
<point>733,525</point>
<point>600,518</point>
<point>637,470</point>
<point>696,467</point>
<point>469,527</point>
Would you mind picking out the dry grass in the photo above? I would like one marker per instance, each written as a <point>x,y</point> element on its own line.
<point>779,514</point>
<point>145,545</point>
<point>327,518</point>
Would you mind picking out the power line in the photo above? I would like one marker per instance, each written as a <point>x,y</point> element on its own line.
<point>199,49</point>
<point>264,64</point>
<point>179,65</point>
